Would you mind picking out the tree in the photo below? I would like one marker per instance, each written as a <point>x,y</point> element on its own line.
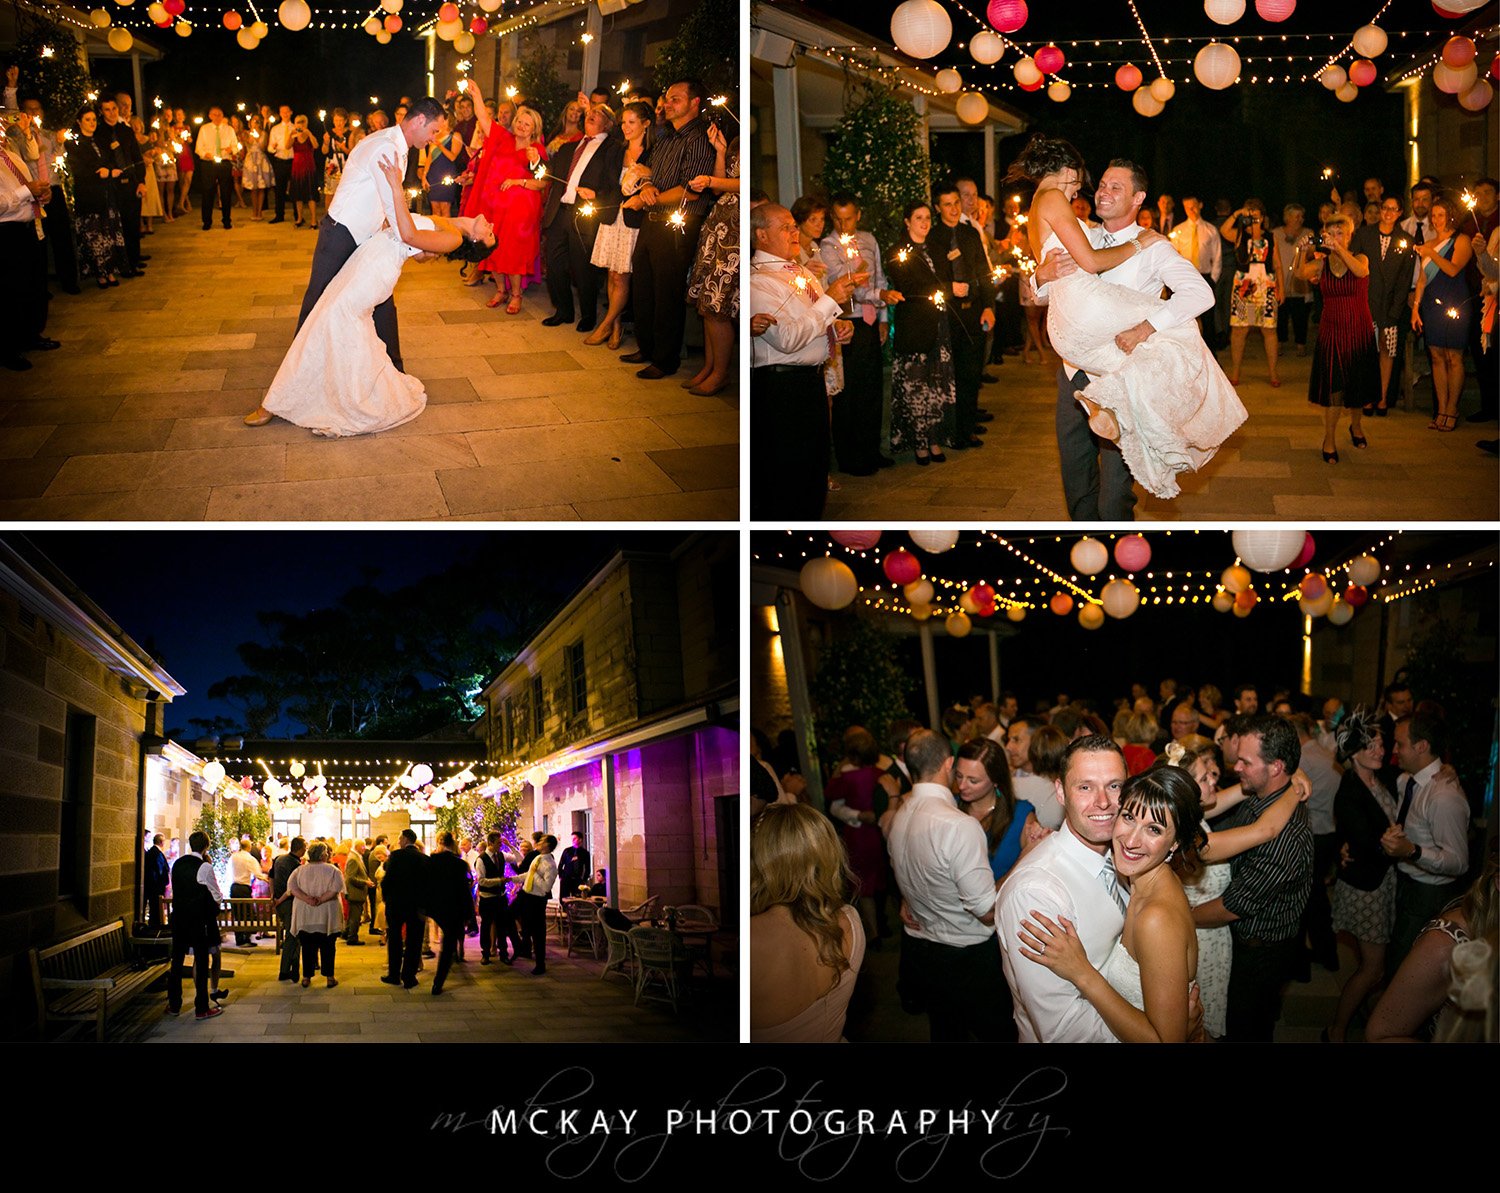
<point>475,816</point>
<point>51,67</point>
<point>878,155</point>
<point>540,83</point>
<point>859,681</point>
<point>707,48</point>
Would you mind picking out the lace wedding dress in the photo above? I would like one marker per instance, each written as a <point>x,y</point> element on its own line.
<point>1172,401</point>
<point>337,378</point>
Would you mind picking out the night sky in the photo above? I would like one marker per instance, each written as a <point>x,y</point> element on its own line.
<point>190,597</point>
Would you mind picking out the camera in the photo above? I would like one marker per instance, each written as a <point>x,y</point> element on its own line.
<point>1244,221</point>
<point>1316,246</point>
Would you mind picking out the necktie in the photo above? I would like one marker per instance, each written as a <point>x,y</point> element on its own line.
<point>1417,235</point>
<point>1411,790</point>
<point>1193,247</point>
<point>1107,241</point>
<point>1111,882</point>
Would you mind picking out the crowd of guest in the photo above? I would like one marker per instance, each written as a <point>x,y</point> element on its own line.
<point>1288,829</point>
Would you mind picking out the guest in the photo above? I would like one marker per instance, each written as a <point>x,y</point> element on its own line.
<point>281,872</point>
<point>1296,293</point>
<point>446,159</point>
<point>569,126</point>
<point>1140,732</point>
<point>1146,218</point>
<point>57,221</point>
<point>506,191</point>
<point>115,134</point>
<point>23,294</point>
<point>1345,370</point>
<point>402,890</point>
<point>922,382</point>
<point>156,873</point>
<point>186,161</point>
<point>811,214</point>
<point>1257,290</point>
<point>317,917</point>
<point>1199,241</point>
<point>151,207</point>
<point>982,784</point>
<point>101,239</point>
<point>357,886</point>
<point>1443,309</point>
<point>1166,208</point>
<point>450,902</point>
<point>279,146</point>
<point>1390,258</point>
<point>303,187</point>
<point>534,889</point>
<point>217,146</point>
<point>615,243</point>
<point>856,799</point>
<point>590,167</point>
<point>257,174</point>
<point>959,259</point>
<point>715,282</point>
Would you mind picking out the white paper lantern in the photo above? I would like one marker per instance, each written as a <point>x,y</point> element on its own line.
<point>421,774</point>
<point>273,789</point>
<point>1370,41</point>
<point>391,5</point>
<point>919,592</point>
<point>1163,89</point>
<point>1235,579</point>
<point>1340,612</point>
<point>490,5</point>
<point>1316,606</point>
<point>246,37</point>
<point>1120,598</point>
<point>949,80</point>
<point>383,37</point>
<point>182,29</point>
<point>120,40</point>
<point>1026,71</point>
<point>1348,93</point>
<point>972,107</point>
<point>1461,6</point>
<point>1222,602</point>
<point>308,785</point>
<point>448,30</point>
<point>1216,65</point>
<point>99,19</point>
<point>213,773</point>
<point>372,26</point>
<point>297,770</point>
<point>1224,12</point>
<point>1333,78</point>
<point>1089,556</point>
<point>968,604</point>
<point>1059,92</point>
<point>1454,82</point>
<point>294,14</point>
<point>1091,617</point>
<point>464,42</point>
<point>260,29</point>
<point>156,12</point>
<point>371,792</point>
<point>1268,550</point>
<point>935,542</point>
<point>921,28</point>
<point>1477,98</point>
<point>408,782</point>
<point>1145,103</point>
<point>829,583</point>
<point>921,612</point>
<point>958,625</point>
<point>320,781</point>
<point>986,47</point>
<point>1364,571</point>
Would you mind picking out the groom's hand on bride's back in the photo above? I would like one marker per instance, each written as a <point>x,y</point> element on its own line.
<point>1055,265</point>
<point>1148,237</point>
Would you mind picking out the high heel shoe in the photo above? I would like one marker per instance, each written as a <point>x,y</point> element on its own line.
<point>1331,457</point>
<point>1447,422</point>
<point>1358,440</point>
<point>598,336</point>
<point>258,417</point>
<point>614,337</point>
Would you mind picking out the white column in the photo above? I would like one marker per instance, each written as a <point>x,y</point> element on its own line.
<point>788,134</point>
<point>994,661</point>
<point>929,677</point>
<point>593,23</point>
<point>794,657</point>
<point>989,171</point>
<point>135,82</point>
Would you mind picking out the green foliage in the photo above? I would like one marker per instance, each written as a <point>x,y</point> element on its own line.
<point>475,816</point>
<point>859,681</point>
<point>223,826</point>
<point>706,48</point>
<point>543,88</point>
<point>59,81</point>
<point>878,154</point>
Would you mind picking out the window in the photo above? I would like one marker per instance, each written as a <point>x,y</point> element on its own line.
<point>538,709</point>
<point>577,681</point>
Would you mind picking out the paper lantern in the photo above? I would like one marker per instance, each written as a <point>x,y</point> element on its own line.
<point>391,24</point>
<point>391,5</point>
<point>1356,595</point>
<point>1347,94</point>
<point>371,792</point>
<point>1362,72</point>
<point>99,19</point>
<point>1458,52</point>
<point>1313,585</point>
<point>972,107</point>
<point>1454,82</point>
<point>309,786</point>
<point>919,592</point>
<point>383,37</point>
<point>1241,610</point>
<point>1089,556</point>
<point>449,30</point>
<point>1016,613</point>
<point>1224,12</point>
<point>1235,579</point>
<point>967,602</point>
<point>1365,570</point>
<point>1036,86</point>
<point>1304,557</point>
<point>1267,550</point>
<point>1133,552</point>
<point>987,610</point>
<point>921,612</point>
<point>422,774</point>
<point>1120,598</point>
<point>1049,59</point>
<point>1162,90</point>
<point>120,40</point>
<point>246,37</point>
<point>1006,15</point>
<point>1246,599</point>
<point>934,542</point>
<point>320,780</point>
<point>1216,65</point>
<point>901,566</point>
<point>829,583</point>
<point>260,29</point>
<point>165,22</point>
<point>1091,617</point>
<point>1059,92</point>
<point>1452,9</point>
<point>1333,78</point>
<point>490,5</point>
<point>1061,604</point>
<point>1316,606</point>
<point>1128,77</point>
<point>983,593</point>
<point>479,26</point>
<point>1275,10</point>
<point>921,28</point>
<point>1222,602</point>
<point>958,625</point>
<point>1370,41</point>
<point>296,770</point>
<point>182,29</point>
<point>156,11</point>
<point>1339,613</point>
<point>1495,67</point>
<point>294,14</point>
<point>985,48</point>
<point>857,540</point>
<point>213,773</point>
<point>464,42</point>
<point>1025,70</point>
<point>948,80</point>
<point>372,26</point>
<point>448,12</point>
<point>1145,103</point>
<point>1477,98</point>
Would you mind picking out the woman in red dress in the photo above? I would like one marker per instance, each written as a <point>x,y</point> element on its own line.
<point>507,192</point>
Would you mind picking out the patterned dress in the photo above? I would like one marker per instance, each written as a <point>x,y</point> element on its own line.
<point>715,284</point>
<point>615,243</point>
<point>922,381</point>
<point>256,174</point>
<point>1253,299</point>
<point>1345,361</point>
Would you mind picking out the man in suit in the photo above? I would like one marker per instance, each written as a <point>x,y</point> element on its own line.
<point>357,890</point>
<point>592,169</point>
<point>281,872</point>
<point>195,926</point>
<point>533,891</point>
<point>573,868</point>
<point>489,868</point>
<point>115,131</point>
<point>156,874</point>
<point>449,901</point>
<point>958,254</point>
<point>405,891</point>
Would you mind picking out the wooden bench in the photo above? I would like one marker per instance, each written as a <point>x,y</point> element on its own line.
<point>90,975</point>
<point>243,915</point>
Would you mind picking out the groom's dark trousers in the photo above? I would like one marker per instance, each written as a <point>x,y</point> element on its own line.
<point>335,246</point>
<point>1096,483</point>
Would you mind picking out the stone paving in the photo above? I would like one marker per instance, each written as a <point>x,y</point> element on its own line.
<point>1270,469</point>
<point>138,416</point>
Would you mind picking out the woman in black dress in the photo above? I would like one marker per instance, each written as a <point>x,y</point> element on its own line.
<point>1389,252</point>
<point>101,236</point>
<point>1345,368</point>
<point>922,384</point>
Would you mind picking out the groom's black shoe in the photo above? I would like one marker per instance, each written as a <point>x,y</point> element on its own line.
<point>588,327</point>
<point>556,320</point>
<point>634,358</point>
<point>280,219</point>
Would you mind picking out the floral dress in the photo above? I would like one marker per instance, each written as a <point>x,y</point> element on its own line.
<point>922,379</point>
<point>1253,299</point>
<point>715,283</point>
<point>256,174</point>
<point>333,162</point>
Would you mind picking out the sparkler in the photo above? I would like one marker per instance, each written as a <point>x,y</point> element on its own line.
<point>586,38</point>
<point>624,87</point>
<point>938,300</point>
<point>539,172</point>
<point>156,103</point>
<point>47,51</point>
<point>1452,312</point>
<point>799,284</point>
<point>1401,244</point>
<point>1469,201</point>
<point>322,113</point>
<point>722,101</point>
<point>92,96</point>
<point>850,245</point>
<point>510,93</point>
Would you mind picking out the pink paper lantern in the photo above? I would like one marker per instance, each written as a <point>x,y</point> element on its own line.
<point>1245,599</point>
<point>1132,552</point>
<point>479,26</point>
<point>1006,16</point>
<point>1035,86</point>
<point>1304,556</point>
<point>1458,52</point>
<point>1362,72</point>
<point>901,566</point>
<point>1313,586</point>
<point>1495,67</point>
<point>393,23</point>
<point>1447,13</point>
<point>449,12</point>
<point>174,7</point>
<point>1049,59</point>
<point>1128,77</point>
<point>856,540</point>
<point>1356,595</point>
<point>1275,10</point>
<point>1061,604</point>
<point>983,593</point>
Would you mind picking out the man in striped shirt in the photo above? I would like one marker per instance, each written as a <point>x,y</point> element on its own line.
<point>1268,885</point>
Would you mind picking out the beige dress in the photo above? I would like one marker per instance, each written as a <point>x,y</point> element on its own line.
<point>823,1021</point>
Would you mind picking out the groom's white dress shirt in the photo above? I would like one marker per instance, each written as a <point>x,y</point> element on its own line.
<point>1061,876</point>
<point>363,201</point>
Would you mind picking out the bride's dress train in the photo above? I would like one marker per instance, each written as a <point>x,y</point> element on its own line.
<point>1173,403</point>
<point>337,378</point>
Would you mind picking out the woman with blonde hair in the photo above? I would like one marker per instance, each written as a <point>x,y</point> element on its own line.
<point>806,941</point>
<point>317,889</point>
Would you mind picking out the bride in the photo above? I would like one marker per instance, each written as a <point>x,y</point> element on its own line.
<point>1167,402</point>
<point>338,379</point>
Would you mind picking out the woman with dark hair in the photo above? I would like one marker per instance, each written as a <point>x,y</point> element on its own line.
<point>1167,403</point>
<point>1442,310</point>
<point>981,781</point>
<point>856,798</point>
<point>337,378</point>
<point>101,236</point>
<point>922,380</point>
<point>1257,285</point>
<point>811,217</point>
<point>615,244</point>
<point>1345,372</point>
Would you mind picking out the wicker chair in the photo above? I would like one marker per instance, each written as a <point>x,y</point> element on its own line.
<point>661,962</point>
<point>582,923</point>
<point>620,959</point>
<point>641,912</point>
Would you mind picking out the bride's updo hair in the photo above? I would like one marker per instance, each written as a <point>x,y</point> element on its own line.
<point>1045,155</point>
<point>470,250</point>
<point>1168,795</point>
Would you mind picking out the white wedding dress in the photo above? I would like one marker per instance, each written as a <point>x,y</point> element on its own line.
<point>1172,401</point>
<point>337,378</point>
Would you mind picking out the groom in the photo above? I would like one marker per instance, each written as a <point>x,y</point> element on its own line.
<point>1097,484</point>
<point>361,207</point>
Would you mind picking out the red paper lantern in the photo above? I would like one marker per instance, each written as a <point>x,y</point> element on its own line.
<point>165,24</point>
<point>1458,52</point>
<point>1061,604</point>
<point>1304,556</point>
<point>1495,67</point>
<point>1275,10</point>
<point>1246,598</point>
<point>1445,12</point>
<point>1133,553</point>
<point>174,7</point>
<point>1037,86</point>
<point>1049,59</point>
<point>233,20</point>
<point>479,26</point>
<point>983,593</point>
<point>449,12</point>
<point>901,567</point>
<point>986,610</point>
<point>1128,77</point>
<point>1006,16</point>
<point>1362,72</point>
<point>392,23</point>
<point>859,540</point>
<point>1356,595</point>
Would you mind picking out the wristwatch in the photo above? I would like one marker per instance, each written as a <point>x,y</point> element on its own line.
<point>1416,854</point>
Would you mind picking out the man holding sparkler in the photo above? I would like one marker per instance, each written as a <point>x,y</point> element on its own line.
<point>570,223</point>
